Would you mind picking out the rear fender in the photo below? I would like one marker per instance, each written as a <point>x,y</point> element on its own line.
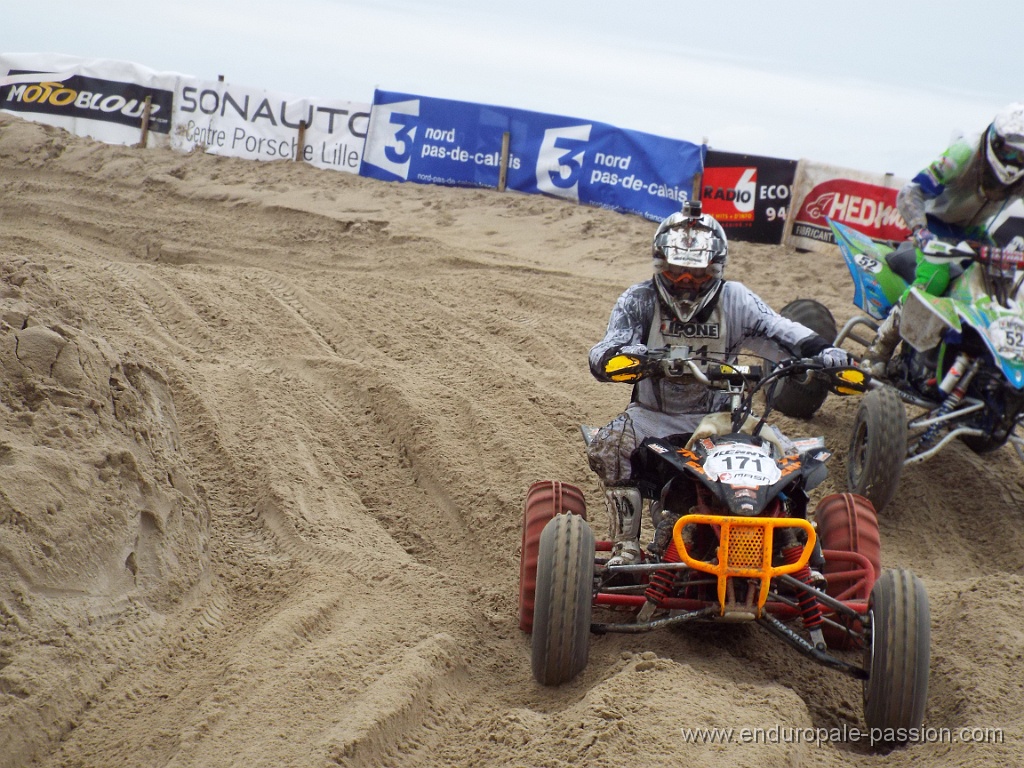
<point>876,286</point>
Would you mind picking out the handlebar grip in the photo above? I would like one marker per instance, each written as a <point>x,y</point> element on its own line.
<point>626,368</point>
<point>1000,257</point>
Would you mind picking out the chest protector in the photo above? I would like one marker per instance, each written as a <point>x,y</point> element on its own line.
<point>709,336</point>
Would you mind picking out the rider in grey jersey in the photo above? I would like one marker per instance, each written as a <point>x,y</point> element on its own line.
<point>687,301</point>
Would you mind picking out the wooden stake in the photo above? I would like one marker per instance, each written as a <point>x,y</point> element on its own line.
<point>503,171</point>
<point>302,140</point>
<point>145,122</point>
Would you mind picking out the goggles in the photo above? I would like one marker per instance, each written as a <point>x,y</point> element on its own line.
<point>693,277</point>
<point>1008,154</point>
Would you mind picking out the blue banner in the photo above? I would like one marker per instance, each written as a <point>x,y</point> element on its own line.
<point>437,141</point>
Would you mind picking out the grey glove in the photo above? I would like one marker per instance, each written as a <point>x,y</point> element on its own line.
<point>834,357</point>
<point>923,236</point>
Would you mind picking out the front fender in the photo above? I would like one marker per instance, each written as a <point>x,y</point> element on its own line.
<point>926,318</point>
<point>1002,330</point>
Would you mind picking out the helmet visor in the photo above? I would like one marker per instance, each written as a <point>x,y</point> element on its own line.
<point>1008,154</point>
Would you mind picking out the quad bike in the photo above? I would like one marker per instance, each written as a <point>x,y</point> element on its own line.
<point>733,496</point>
<point>960,363</point>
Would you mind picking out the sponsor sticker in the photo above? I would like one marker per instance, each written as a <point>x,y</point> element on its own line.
<point>738,464</point>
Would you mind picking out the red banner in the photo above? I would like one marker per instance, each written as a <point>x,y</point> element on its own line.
<point>849,197</point>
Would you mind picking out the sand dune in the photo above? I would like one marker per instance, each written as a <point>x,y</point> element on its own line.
<point>266,435</point>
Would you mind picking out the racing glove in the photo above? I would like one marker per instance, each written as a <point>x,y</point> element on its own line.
<point>923,236</point>
<point>835,357</point>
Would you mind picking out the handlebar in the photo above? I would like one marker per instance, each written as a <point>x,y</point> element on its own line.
<point>1000,257</point>
<point>984,253</point>
<point>740,382</point>
<point>680,363</point>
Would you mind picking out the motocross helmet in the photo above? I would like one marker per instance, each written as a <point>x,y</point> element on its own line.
<point>690,251</point>
<point>1004,144</point>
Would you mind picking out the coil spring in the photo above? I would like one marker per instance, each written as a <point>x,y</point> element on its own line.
<point>662,583</point>
<point>956,394</point>
<point>810,608</point>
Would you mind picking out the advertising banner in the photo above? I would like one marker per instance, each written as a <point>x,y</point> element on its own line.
<point>437,141</point>
<point>236,121</point>
<point>104,100</point>
<point>866,202</point>
<point>749,195</point>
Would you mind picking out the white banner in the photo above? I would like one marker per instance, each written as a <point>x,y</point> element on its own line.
<point>104,100</point>
<point>245,122</point>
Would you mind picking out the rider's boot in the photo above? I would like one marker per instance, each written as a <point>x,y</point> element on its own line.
<point>817,564</point>
<point>877,355</point>
<point>624,517</point>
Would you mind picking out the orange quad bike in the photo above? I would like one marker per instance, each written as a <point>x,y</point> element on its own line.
<point>734,542</point>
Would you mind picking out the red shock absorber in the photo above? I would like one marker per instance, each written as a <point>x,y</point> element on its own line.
<point>810,608</point>
<point>662,583</point>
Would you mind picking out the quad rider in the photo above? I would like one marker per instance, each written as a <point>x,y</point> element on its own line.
<point>955,197</point>
<point>687,301</point>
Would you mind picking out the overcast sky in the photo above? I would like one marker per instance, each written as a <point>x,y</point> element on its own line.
<point>871,85</point>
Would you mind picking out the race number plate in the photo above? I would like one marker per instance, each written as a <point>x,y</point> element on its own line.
<point>867,264</point>
<point>1007,334</point>
<point>739,464</point>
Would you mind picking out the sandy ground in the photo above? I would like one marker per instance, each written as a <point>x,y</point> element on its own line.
<point>265,437</point>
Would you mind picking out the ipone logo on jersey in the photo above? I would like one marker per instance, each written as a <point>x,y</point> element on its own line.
<point>729,193</point>
<point>672,327</point>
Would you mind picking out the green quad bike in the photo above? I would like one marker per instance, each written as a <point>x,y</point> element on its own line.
<point>959,369</point>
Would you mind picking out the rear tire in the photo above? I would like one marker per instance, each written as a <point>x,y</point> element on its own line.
<point>544,500</point>
<point>796,399</point>
<point>878,446</point>
<point>898,658</point>
<point>564,600</point>
<point>847,522</point>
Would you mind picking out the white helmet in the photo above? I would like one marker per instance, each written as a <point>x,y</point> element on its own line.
<point>1004,144</point>
<point>690,251</point>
